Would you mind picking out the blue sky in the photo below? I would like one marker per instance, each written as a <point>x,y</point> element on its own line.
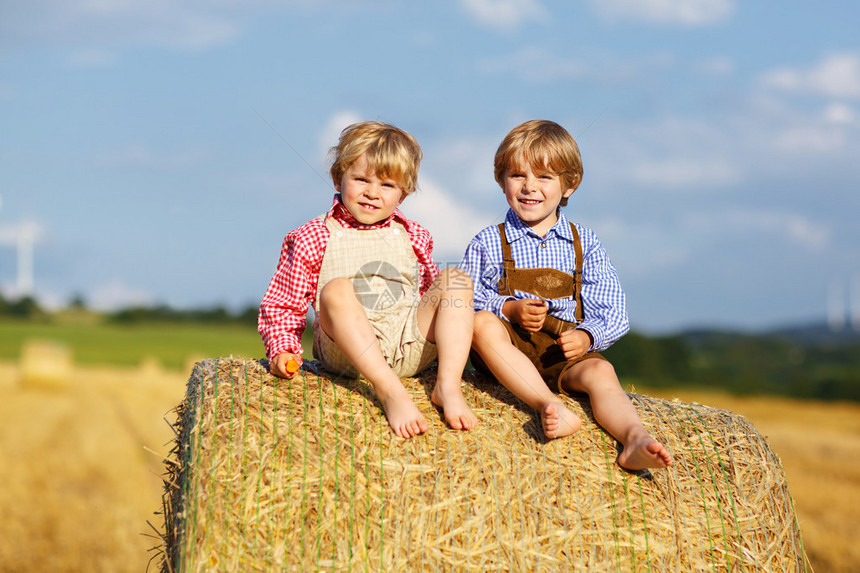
<point>159,150</point>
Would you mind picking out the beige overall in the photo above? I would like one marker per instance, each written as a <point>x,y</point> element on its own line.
<point>383,268</point>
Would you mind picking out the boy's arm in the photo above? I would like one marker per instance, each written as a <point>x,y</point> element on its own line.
<point>283,311</point>
<point>422,246</point>
<point>603,300</point>
<point>485,272</point>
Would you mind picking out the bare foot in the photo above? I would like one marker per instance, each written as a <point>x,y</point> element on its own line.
<point>404,418</point>
<point>457,412</point>
<point>558,421</point>
<point>644,453</point>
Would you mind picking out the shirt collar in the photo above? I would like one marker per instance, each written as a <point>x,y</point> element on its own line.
<point>515,229</point>
<point>343,216</point>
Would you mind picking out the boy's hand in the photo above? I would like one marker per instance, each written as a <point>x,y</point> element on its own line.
<point>527,312</point>
<point>574,343</point>
<point>285,364</point>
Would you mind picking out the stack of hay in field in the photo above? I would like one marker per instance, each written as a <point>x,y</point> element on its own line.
<point>46,365</point>
<point>305,474</point>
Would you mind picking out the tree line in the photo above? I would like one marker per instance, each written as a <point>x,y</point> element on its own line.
<point>821,368</point>
<point>803,362</point>
<point>28,307</point>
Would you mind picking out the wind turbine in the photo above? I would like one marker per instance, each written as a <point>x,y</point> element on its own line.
<point>836,306</point>
<point>854,302</point>
<point>28,234</point>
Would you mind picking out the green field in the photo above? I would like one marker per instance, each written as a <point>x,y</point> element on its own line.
<point>95,341</point>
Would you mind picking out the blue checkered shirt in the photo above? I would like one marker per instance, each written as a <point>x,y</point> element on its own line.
<point>604,304</point>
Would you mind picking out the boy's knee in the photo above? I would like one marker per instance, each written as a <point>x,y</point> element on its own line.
<point>596,372</point>
<point>486,326</point>
<point>337,291</point>
<point>484,319</point>
<point>455,278</point>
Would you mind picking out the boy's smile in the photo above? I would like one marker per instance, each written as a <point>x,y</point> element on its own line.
<point>368,197</point>
<point>534,195</point>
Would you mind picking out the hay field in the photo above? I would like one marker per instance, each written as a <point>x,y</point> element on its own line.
<point>80,483</point>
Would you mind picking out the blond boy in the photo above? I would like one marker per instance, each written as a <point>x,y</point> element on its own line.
<point>548,298</point>
<point>382,308</point>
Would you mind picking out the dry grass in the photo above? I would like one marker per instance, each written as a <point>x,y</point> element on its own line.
<point>79,486</point>
<point>819,444</point>
<point>305,474</point>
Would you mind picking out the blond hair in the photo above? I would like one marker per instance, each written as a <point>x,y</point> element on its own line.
<point>389,151</point>
<point>541,144</point>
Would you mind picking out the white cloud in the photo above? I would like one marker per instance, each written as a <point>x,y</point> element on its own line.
<point>821,139</point>
<point>679,12</point>
<point>685,172</point>
<point>840,114</point>
<point>504,14</point>
<point>669,153</point>
<point>330,132</point>
<point>116,294</point>
<point>92,58</point>
<point>801,230</point>
<point>466,164</point>
<point>623,238</point>
<point>836,76</point>
<point>184,24</point>
<point>783,225</point>
<point>536,65</point>
<point>451,222</point>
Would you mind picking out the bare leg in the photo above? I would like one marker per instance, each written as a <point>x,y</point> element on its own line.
<point>446,318</point>
<point>517,373</point>
<point>614,411</point>
<point>343,318</point>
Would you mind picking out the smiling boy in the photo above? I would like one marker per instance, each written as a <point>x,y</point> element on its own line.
<point>548,298</point>
<point>382,308</point>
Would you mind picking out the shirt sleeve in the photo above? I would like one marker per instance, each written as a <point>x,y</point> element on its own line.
<point>283,312</point>
<point>483,264</point>
<point>422,244</point>
<point>604,303</point>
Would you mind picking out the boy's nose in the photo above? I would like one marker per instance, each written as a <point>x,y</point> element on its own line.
<point>371,190</point>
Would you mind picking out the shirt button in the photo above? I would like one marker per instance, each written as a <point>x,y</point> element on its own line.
<point>396,231</point>
<point>340,233</point>
<point>543,245</point>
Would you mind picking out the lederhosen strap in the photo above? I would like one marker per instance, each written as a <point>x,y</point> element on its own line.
<point>509,281</point>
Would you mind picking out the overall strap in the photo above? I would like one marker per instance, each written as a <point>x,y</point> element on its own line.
<point>577,275</point>
<point>507,263</point>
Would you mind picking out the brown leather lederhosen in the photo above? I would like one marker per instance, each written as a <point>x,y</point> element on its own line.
<point>546,283</point>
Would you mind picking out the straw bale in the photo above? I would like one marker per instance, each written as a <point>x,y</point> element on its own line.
<point>305,474</point>
<point>45,364</point>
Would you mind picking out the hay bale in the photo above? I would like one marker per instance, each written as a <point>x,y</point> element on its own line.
<point>46,364</point>
<point>305,474</point>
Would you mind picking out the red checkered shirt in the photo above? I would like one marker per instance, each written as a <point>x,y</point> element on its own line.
<point>284,309</point>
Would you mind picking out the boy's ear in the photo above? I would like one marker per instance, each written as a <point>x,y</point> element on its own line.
<point>574,184</point>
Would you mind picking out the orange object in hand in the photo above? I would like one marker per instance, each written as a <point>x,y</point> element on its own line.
<point>292,366</point>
